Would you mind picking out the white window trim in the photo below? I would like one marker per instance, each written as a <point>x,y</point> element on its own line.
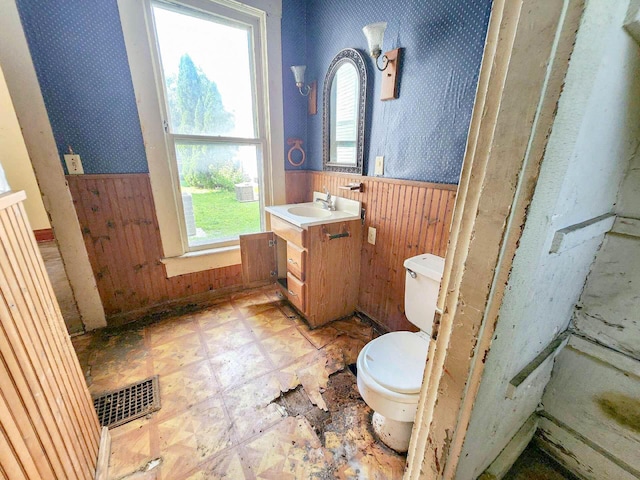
<point>133,16</point>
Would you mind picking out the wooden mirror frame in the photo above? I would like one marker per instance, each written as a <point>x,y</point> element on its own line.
<point>354,57</point>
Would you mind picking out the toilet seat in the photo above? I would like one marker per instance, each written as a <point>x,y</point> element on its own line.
<point>391,404</point>
<point>393,361</point>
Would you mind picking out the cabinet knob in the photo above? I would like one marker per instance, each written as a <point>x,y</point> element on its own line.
<point>292,261</point>
<point>293,293</point>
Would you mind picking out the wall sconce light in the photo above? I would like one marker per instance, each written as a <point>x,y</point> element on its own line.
<point>309,90</point>
<point>390,60</point>
<point>375,34</point>
<point>298,74</point>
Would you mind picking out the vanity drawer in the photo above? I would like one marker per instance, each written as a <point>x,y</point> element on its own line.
<point>288,231</point>
<point>296,260</point>
<point>296,291</point>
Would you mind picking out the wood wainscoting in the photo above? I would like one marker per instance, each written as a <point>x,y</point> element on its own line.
<point>48,427</point>
<point>410,218</point>
<point>121,233</point>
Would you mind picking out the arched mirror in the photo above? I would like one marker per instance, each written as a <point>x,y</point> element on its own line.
<point>343,113</point>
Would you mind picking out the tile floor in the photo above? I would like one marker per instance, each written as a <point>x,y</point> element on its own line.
<point>222,372</point>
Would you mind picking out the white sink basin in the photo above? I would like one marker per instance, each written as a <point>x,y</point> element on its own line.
<point>313,212</point>
<point>309,214</point>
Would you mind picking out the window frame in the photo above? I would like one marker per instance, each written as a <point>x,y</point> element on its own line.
<point>139,34</point>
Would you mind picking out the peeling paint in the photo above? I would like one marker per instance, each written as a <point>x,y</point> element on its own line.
<point>446,445</point>
<point>597,317</point>
<point>548,439</point>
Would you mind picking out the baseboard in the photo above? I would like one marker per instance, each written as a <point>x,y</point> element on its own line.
<point>199,300</point>
<point>578,454</point>
<point>509,454</point>
<point>44,235</point>
<point>104,453</point>
<point>382,329</point>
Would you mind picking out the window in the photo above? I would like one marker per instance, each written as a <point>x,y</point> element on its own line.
<point>208,116</point>
<point>211,121</point>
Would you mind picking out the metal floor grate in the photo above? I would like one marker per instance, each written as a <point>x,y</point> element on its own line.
<point>134,401</point>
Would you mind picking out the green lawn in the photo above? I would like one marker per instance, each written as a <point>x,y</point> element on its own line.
<point>221,216</point>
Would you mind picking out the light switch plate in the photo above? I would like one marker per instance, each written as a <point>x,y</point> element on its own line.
<point>371,237</point>
<point>379,170</point>
<point>74,165</point>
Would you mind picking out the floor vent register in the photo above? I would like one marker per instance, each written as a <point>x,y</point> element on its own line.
<point>120,406</point>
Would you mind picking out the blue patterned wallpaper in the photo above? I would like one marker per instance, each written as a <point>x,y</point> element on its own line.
<point>422,134</point>
<point>81,62</point>
<point>294,29</point>
<point>80,58</point>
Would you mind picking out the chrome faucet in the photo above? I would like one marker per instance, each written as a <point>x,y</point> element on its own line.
<point>326,203</point>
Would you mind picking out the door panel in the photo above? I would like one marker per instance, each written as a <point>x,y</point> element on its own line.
<point>258,257</point>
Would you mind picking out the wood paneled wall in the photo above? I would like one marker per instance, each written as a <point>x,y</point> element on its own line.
<point>118,220</point>
<point>48,427</point>
<point>410,218</point>
<point>121,233</point>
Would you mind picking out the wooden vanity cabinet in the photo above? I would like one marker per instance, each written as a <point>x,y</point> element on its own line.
<point>323,268</point>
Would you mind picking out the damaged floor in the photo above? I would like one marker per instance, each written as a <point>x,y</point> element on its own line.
<point>534,464</point>
<point>248,391</point>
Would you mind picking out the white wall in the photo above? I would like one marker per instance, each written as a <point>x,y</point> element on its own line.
<point>592,403</point>
<point>591,419</point>
<point>595,133</point>
<point>609,309</point>
<point>4,185</point>
<point>16,162</point>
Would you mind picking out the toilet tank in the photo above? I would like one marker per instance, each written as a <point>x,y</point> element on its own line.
<point>422,284</point>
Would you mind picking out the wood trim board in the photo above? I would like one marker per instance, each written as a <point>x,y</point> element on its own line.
<point>44,235</point>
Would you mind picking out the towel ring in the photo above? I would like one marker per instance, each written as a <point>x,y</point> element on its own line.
<point>297,145</point>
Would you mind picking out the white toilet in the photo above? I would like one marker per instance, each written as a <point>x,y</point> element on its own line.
<point>390,367</point>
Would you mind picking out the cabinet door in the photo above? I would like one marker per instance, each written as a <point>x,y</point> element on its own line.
<point>258,257</point>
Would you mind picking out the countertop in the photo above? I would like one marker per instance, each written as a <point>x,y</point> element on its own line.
<point>346,210</point>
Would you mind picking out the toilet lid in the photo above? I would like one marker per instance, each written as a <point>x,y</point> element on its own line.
<point>397,360</point>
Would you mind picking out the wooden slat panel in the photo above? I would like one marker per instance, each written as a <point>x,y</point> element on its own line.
<point>16,445</point>
<point>25,321</point>
<point>121,233</point>
<point>297,186</point>
<point>410,218</point>
<point>33,276</point>
<point>82,403</point>
<point>47,423</point>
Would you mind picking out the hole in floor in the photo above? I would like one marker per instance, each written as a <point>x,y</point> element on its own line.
<point>342,399</point>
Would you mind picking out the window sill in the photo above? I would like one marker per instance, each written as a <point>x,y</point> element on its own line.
<point>202,260</point>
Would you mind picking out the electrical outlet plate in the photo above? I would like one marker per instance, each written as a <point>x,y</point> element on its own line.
<point>379,170</point>
<point>371,236</point>
<point>74,165</point>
